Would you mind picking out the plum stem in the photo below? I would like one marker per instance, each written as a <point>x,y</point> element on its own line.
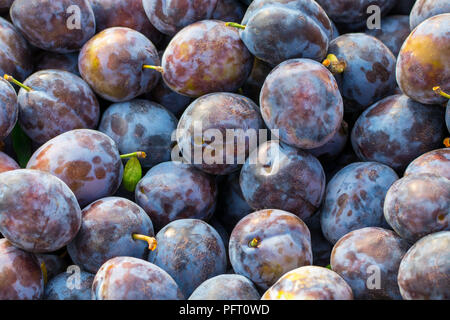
<point>334,64</point>
<point>235,25</point>
<point>138,154</point>
<point>44,272</point>
<point>447,142</point>
<point>254,242</point>
<point>157,68</point>
<point>152,243</point>
<point>16,82</point>
<point>438,90</point>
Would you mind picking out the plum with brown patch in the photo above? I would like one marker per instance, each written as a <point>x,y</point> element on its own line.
<point>309,283</point>
<point>128,278</point>
<point>87,161</point>
<point>20,274</point>
<point>38,212</point>
<point>58,101</point>
<point>435,162</point>
<point>424,270</point>
<point>226,287</point>
<point>276,176</point>
<point>301,99</point>
<point>9,110</point>
<point>266,244</point>
<point>54,25</point>
<point>191,251</point>
<point>417,205</point>
<point>112,63</point>
<point>368,259</point>
<point>170,191</point>
<point>62,287</point>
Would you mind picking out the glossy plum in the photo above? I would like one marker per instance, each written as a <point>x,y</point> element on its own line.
<point>140,125</point>
<point>54,25</point>
<point>278,30</point>
<point>127,278</point>
<point>59,101</point>
<point>309,283</point>
<point>204,131</point>
<point>86,160</point>
<point>171,191</point>
<point>354,199</point>
<point>418,71</point>
<point>424,9</point>
<point>20,273</point>
<point>107,231</point>
<point>368,259</point>
<point>423,272</point>
<point>112,63</point>
<point>7,163</point>
<point>301,99</point>
<point>9,110</point>
<point>276,176</point>
<point>266,244</point>
<point>226,287</point>
<point>417,205</point>
<point>206,57</point>
<point>38,212</point>
<point>61,287</point>
<point>169,17</point>
<point>435,162</point>
<point>191,251</point>
<point>396,130</point>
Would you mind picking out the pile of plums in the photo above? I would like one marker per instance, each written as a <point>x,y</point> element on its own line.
<point>119,180</point>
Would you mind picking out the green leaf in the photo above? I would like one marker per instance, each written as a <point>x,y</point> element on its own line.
<point>21,145</point>
<point>132,174</point>
<point>328,266</point>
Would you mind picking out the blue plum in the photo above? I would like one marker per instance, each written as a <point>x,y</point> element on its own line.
<point>266,244</point>
<point>396,130</point>
<point>226,287</point>
<point>368,259</point>
<point>62,287</point>
<point>424,9</point>
<point>354,199</point>
<point>435,162</point>
<point>171,191</point>
<point>9,111</point>
<point>191,251</point>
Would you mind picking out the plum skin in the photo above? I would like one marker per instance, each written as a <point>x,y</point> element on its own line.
<point>9,113</point>
<point>38,212</point>
<point>424,9</point>
<point>435,162</point>
<point>57,288</point>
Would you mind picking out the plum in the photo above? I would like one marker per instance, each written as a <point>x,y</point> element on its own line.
<point>15,57</point>
<point>172,101</point>
<point>124,13</point>
<point>417,205</point>
<point>368,259</point>
<point>354,12</point>
<point>354,199</point>
<point>276,176</point>
<point>226,287</point>
<point>86,160</point>
<point>52,264</point>
<point>7,163</point>
<point>424,9</point>
<point>108,230</point>
<point>62,287</point>
<point>321,247</point>
<point>232,206</point>
<point>228,10</point>
<point>334,147</point>
<point>396,130</point>
<point>112,63</point>
<point>140,125</point>
<point>128,278</point>
<point>424,270</point>
<point>9,111</point>
<point>369,71</point>
<point>301,99</point>
<point>206,57</point>
<point>60,61</point>
<point>20,273</point>
<point>252,86</point>
<point>218,131</point>
<point>393,32</point>
<point>435,162</point>
<point>169,17</point>
<point>38,212</point>
<point>309,283</point>
<point>191,251</point>
<point>55,25</point>
<point>171,191</point>
<point>56,101</point>
<point>278,30</point>
<point>266,244</point>
<point>423,61</point>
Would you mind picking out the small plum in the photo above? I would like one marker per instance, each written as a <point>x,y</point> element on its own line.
<point>58,288</point>
<point>226,287</point>
<point>38,212</point>
<point>435,162</point>
<point>9,110</point>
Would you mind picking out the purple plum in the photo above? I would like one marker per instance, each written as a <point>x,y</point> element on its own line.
<point>424,9</point>
<point>226,287</point>
<point>9,111</point>
<point>435,162</point>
